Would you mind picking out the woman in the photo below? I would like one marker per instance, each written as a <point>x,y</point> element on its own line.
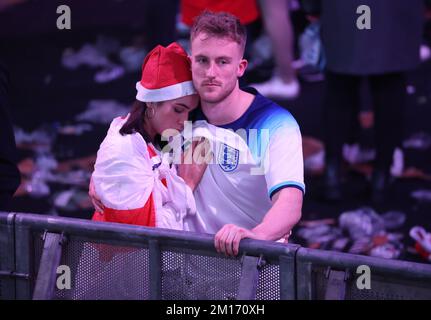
<point>133,183</point>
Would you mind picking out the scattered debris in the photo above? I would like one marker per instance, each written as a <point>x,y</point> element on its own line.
<point>316,231</point>
<point>410,89</point>
<point>354,154</point>
<point>43,169</point>
<point>72,200</point>
<point>422,100</point>
<point>88,55</point>
<point>310,45</point>
<point>361,246</point>
<point>420,141</point>
<point>421,195</point>
<point>425,52</point>
<point>96,56</point>
<point>397,167</point>
<point>42,172</point>
<point>132,58</point>
<point>26,166</point>
<point>360,231</point>
<point>423,241</point>
<point>393,219</point>
<point>387,251</point>
<point>103,111</point>
<point>40,139</point>
<point>415,173</point>
<point>340,244</point>
<point>314,223</point>
<point>37,186</point>
<point>314,154</point>
<point>366,119</point>
<point>75,130</point>
<point>85,163</point>
<point>76,178</point>
<point>261,51</point>
<point>109,73</point>
<point>360,223</point>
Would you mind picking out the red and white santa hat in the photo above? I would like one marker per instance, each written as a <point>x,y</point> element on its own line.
<point>166,75</point>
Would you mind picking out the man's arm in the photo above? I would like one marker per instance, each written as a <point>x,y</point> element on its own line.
<point>284,214</point>
<point>285,169</point>
<point>277,223</point>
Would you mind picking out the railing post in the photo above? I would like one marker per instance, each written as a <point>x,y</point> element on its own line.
<point>336,287</point>
<point>287,278</point>
<point>155,270</point>
<point>249,277</point>
<point>7,256</point>
<point>24,260</point>
<point>47,274</point>
<point>304,285</point>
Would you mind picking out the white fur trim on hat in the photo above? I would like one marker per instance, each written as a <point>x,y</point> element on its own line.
<point>174,91</point>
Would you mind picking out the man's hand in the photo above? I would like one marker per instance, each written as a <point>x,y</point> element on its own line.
<point>97,203</point>
<point>228,237</point>
<point>277,223</point>
<point>194,163</point>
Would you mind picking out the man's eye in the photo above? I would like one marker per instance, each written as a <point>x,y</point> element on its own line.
<point>201,60</point>
<point>178,110</point>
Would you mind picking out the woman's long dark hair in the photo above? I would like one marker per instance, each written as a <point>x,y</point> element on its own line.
<point>135,123</point>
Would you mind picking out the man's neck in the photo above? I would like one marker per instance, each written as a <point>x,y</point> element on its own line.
<point>228,110</point>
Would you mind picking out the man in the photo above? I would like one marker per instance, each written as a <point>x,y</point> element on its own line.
<point>382,52</point>
<point>233,202</point>
<point>9,174</point>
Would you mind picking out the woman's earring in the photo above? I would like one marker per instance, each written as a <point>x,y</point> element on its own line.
<point>150,112</point>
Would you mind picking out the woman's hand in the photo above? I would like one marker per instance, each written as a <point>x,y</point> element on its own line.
<point>194,163</point>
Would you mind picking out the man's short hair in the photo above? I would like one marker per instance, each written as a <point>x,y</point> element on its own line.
<point>219,24</point>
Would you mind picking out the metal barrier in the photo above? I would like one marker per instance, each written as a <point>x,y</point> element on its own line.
<point>48,257</point>
<point>118,261</point>
<point>337,276</point>
<point>7,256</point>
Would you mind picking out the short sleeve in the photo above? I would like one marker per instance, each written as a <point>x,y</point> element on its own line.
<point>284,164</point>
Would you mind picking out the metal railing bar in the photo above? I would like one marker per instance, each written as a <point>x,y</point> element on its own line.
<point>137,234</point>
<point>343,261</point>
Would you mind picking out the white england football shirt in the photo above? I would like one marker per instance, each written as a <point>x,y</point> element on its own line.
<point>254,157</point>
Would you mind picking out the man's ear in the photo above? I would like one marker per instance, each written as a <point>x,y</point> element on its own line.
<point>243,63</point>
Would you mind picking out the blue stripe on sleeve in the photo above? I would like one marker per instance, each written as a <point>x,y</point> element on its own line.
<point>286,184</point>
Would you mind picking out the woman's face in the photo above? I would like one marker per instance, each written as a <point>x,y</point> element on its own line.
<point>172,114</point>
